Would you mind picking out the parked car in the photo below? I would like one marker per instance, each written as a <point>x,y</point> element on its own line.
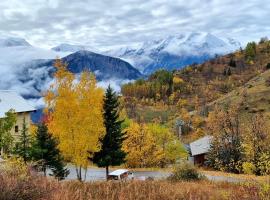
<point>121,174</point>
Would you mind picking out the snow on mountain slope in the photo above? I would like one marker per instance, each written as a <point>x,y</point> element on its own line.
<point>64,47</point>
<point>22,67</point>
<point>15,56</point>
<point>175,51</point>
<point>11,42</point>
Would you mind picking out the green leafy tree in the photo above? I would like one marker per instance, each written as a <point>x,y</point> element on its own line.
<point>250,51</point>
<point>172,149</point>
<point>6,125</point>
<point>22,147</point>
<point>111,153</point>
<point>46,153</point>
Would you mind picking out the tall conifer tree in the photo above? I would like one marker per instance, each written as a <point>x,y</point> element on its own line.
<point>22,147</point>
<point>111,153</point>
<point>46,153</point>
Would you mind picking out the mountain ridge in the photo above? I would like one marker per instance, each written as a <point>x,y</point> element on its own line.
<point>175,51</point>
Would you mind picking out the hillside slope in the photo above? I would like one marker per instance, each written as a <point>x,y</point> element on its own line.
<point>202,83</point>
<point>253,96</point>
<point>189,94</point>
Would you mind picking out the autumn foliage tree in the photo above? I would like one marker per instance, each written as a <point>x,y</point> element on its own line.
<point>141,148</point>
<point>74,110</point>
<point>256,143</point>
<point>172,149</point>
<point>226,152</point>
<point>151,145</point>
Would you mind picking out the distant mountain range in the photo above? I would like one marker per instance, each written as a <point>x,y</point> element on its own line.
<point>11,42</point>
<point>174,52</point>
<point>27,69</point>
<point>104,67</point>
<point>64,47</point>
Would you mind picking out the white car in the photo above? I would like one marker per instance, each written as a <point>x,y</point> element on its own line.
<point>121,174</point>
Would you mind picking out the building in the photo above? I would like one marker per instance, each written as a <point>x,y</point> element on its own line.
<point>199,148</point>
<point>12,100</point>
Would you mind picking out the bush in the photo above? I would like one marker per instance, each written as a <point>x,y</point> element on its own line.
<point>15,167</point>
<point>264,164</point>
<point>16,182</point>
<point>185,172</point>
<point>248,168</point>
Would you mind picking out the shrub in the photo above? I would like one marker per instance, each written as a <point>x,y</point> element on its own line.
<point>264,164</point>
<point>185,172</point>
<point>248,168</point>
<point>16,182</point>
<point>15,167</point>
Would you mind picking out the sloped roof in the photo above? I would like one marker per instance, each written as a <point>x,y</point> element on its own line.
<point>12,100</point>
<point>118,172</point>
<point>200,146</point>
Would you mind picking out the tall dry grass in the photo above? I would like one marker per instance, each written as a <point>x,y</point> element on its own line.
<point>41,188</point>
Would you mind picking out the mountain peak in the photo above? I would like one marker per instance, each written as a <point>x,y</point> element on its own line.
<point>13,41</point>
<point>176,51</point>
<point>65,47</point>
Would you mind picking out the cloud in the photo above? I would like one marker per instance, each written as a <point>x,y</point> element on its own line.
<point>106,23</point>
<point>114,83</point>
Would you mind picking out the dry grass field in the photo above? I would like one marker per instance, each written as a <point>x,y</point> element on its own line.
<point>41,188</point>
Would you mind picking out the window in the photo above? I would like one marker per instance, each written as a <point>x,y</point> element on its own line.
<point>16,129</point>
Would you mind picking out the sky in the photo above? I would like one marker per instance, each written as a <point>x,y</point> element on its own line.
<point>104,23</point>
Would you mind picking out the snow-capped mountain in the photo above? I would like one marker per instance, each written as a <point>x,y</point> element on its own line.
<point>175,51</point>
<point>27,69</point>
<point>12,41</point>
<point>64,47</point>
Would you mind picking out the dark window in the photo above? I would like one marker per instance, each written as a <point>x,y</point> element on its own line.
<point>16,129</point>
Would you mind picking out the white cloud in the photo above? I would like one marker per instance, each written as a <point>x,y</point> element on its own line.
<point>106,23</point>
<point>114,83</point>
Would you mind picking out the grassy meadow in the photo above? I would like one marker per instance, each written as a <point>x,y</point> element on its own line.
<point>42,188</point>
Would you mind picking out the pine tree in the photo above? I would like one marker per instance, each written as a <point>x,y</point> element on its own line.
<point>58,169</point>
<point>46,153</point>
<point>22,147</point>
<point>111,153</point>
<point>229,72</point>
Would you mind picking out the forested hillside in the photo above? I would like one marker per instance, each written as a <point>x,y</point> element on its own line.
<point>189,93</point>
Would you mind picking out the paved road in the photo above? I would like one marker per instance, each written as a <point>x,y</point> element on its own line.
<point>95,174</point>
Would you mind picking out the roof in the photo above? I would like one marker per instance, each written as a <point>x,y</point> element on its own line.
<point>118,172</point>
<point>12,100</point>
<point>200,146</point>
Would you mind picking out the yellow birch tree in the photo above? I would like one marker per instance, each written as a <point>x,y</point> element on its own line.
<point>141,147</point>
<point>74,111</point>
